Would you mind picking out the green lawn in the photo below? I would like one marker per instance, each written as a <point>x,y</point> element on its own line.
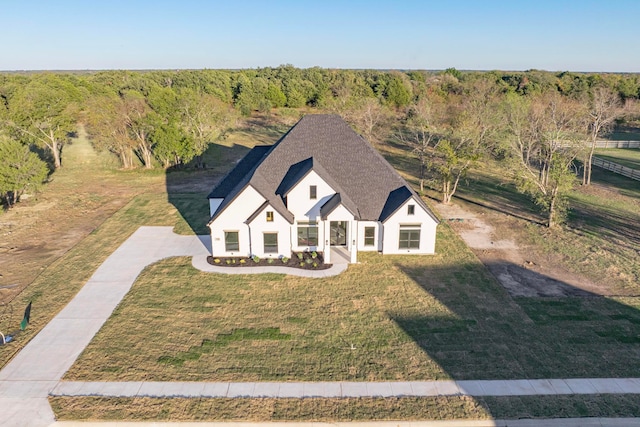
<point>333,410</point>
<point>387,318</point>
<point>629,157</point>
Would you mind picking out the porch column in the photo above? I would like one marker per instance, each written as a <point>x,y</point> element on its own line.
<point>354,242</point>
<point>327,243</point>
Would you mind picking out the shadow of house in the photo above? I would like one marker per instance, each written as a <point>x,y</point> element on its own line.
<point>487,334</point>
<point>187,188</point>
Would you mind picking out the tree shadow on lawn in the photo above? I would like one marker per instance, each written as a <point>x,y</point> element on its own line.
<point>187,188</point>
<point>606,222</point>
<point>491,335</point>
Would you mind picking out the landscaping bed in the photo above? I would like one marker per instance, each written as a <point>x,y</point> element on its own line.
<point>302,260</point>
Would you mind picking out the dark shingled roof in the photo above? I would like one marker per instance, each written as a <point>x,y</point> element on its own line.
<point>367,183</point>
<point>331,204</point>
<point>396,198</point>
<point>240,171</point>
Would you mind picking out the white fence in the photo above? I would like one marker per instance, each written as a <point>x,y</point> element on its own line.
<point>617,144</point>
<point>616,168</point>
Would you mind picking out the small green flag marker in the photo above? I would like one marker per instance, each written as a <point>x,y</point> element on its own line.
<point>25,319</point>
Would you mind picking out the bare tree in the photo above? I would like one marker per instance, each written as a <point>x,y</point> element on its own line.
<point>423,128</point>
<point>473,122</point>
<point>604,108</point>
<point>544,136</point>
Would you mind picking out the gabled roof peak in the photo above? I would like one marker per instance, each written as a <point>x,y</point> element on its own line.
<point>326,144</point>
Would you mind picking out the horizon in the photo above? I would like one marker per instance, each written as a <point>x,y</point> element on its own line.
<point>404,70</point>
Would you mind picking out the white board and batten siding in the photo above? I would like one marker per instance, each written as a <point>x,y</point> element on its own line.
<point>233,219</point>
<point>279,225</point>
<point>306,210</point>
<point>401,218</point>
<point>299,203</point>
<point>377,236</point>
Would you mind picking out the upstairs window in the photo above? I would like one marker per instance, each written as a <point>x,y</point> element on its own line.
<point>269,216</point>
<point>411,210</point>
<point>313,192</point>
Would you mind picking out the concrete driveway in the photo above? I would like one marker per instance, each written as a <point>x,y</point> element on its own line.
<point>28,379</point>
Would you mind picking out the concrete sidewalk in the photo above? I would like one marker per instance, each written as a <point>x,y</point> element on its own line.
<point>343,389</point>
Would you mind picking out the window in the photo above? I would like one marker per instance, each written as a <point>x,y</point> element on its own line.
<point>369,236</point>
<point>269,216</point>
<point>313,192</point>
<point>270,243</point>
<point>231,242</point>
<point>409,237</point>
<point>307,234</point>
<point>411,209</point>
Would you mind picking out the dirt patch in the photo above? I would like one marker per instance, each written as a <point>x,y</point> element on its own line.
<point>520,270</point>
<point>42,228</point>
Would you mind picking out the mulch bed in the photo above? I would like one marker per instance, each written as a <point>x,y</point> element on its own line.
<point>306,263</point>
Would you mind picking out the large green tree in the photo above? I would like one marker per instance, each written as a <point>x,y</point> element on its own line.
<point>108,120</point>
<point>45,112</point>
<point>205,119</point>
<point>20,170</point>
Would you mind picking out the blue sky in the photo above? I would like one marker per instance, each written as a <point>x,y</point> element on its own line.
<point>575,35</point>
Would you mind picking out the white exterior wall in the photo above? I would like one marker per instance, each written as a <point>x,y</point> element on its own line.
<point>213,206</point>
<point>305,209</point>
<point>377,244</point>
<point>279,225</point>
<point>298,202</point>
<point>232,219</point>
<point>391,230</point>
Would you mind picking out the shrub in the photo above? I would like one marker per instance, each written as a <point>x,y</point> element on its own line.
<point>256,259</point>
<point>302,264</point>
<point>314,254</point>
<point>233,261</point>
<point>228,261</point>
<point>315,265</point>
<point>217,260</point>
<point>270,261</point>
<point>308,260</point>
<point>300,255</point>
<point>243,261</point>
<point>284,259</point>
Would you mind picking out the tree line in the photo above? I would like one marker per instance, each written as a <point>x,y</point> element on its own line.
<point>536,122</point>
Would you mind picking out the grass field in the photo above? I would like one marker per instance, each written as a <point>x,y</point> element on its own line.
<point>387,318</point>
<point>332,410</point>
<point>629,157</point>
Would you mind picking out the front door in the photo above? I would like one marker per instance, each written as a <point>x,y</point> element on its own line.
<point>338,233</point>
